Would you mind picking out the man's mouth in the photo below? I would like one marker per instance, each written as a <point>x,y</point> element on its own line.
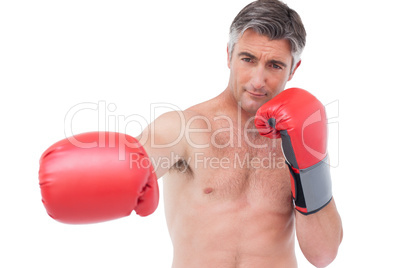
<point>256,94</point>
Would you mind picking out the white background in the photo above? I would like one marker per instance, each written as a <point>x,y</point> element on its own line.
<point>57,54</point>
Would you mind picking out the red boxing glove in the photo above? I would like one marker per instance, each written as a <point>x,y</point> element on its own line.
<point>299,119</point>
<point>97,176</point>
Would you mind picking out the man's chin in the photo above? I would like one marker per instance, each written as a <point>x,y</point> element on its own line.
<point>251,108</point>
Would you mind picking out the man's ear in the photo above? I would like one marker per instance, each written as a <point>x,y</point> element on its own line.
<point>294,70</point>
<point>228,58</point>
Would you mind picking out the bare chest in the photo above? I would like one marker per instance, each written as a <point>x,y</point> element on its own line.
<point>239,166</point>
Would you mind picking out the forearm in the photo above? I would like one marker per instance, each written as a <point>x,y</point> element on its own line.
<point>299,119</point>
<point>320,234</point>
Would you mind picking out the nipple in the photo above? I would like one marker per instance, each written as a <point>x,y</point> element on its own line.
<point>208,190</point>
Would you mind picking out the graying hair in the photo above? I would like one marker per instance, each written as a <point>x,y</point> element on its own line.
<point>273,19</point>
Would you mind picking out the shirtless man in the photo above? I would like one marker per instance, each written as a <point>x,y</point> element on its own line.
<point>228,196</point>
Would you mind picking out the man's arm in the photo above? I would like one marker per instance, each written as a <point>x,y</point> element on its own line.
<point>299,119</point>
<point>117,164</point>
<point>164,141</point>
<point>320,234</point>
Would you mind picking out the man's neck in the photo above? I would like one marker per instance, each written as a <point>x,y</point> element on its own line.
<point>235,111</point>
<point>230,99</point>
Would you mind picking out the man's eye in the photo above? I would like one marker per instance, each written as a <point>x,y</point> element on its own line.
<point>247,59</point>
<point>276,66</point>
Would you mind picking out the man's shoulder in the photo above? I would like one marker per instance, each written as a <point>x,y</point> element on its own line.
<point>199,116</point>
<point>179,121</point>
<point>207,108</point>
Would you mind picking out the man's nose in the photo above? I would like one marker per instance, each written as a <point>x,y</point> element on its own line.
<point>259,77</point>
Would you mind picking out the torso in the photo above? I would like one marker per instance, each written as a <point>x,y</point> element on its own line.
<point>228,204</point>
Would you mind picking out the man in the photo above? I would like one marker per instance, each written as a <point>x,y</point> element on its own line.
<point>228,196</point>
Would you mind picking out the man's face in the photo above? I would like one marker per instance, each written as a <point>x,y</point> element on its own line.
<point>259,69</point>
